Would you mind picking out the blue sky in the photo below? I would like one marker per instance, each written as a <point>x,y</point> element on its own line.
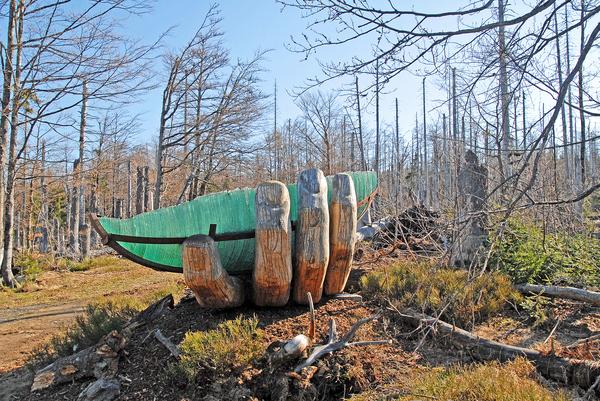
<point>261,24</point>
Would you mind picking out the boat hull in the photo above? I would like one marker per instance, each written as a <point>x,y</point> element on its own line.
<point>231,212</point>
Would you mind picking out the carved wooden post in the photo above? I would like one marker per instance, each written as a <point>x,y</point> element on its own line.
<point>342,226</point>
<point>312,236</point>
<point>204,274</point>
<point>272,275</point>
<point>472,191</point>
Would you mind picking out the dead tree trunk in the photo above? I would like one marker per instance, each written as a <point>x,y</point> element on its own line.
<point>147,205</point>
<point>139,191</point>
<point>99,361</point>
<point>129,194</point>
<point>552,291</point>
<point>312,236</point>
<point>568,371</point>
<point>272,275</point>
<point>342,228</point>
<point>7,275</point>
<point>43,221</point>
<point>85,240</point>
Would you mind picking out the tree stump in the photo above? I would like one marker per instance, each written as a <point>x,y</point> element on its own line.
<point>272,275</point>
<point>204,275</point>
<point>342,228</point>
<point>312,236</point>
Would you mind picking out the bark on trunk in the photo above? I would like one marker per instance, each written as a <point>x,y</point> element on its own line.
<point>7,275</point>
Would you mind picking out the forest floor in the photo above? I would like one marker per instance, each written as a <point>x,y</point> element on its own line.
<point>50,303</point>
<point>372,372</point>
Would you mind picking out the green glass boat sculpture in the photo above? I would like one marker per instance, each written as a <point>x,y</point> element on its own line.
<point>154,238</point>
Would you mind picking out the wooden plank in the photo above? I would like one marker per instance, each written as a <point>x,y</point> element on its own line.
<point>272,275</point>
<point>212,286</point>
<point>312,236</point>
<point>342,228</point>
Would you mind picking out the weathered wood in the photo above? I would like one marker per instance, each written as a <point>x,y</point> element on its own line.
<point>369,231</point>
<point>334,343</point>
<point>272,275</point>
<point>172,348</point>
<point>118,212</point>
<point>85,233</point>
<point>472,192</point>
<point>100,361</point>
<point>101,390</point>
<point>342,228</point>
<point>140,191</point>
<point>204,274</point>
<point>312,236</point>
<point>553,291</point>
<point>564,370</point>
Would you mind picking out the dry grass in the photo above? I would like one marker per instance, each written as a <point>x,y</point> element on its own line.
<point>233,344</point>
<point>105,277</point>
<point>432,290</point>
<point>512,381</point>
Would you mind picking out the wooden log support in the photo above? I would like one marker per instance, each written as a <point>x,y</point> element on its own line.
<point>272,275</point>
<point>342,227</point>
<point>312,236</point>
<point>204,274</point>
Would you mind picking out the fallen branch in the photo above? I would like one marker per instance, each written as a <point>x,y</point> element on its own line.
<point>553,291</point>
<point>568,371</point>
<point>167,343</point>
<point>584,341</point>
<point>334,344</point>
<point>312,328</point>
<point>99,361</point>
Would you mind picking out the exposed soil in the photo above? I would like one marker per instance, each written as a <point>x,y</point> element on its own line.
<point>28,319</point>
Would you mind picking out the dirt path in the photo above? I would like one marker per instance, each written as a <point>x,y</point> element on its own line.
<point>30,318</point>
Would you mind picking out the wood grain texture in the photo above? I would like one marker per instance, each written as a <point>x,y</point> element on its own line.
<point>312,236</point>
<point>204,274</point>
<point>342,228</point>
<point>272,275</point>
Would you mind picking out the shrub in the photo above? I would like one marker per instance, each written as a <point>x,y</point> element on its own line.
<point>96,321</point>
<point>527,254</point>
<point>29,264</point>
<point>233,344</point>
<point>431,290</point>
<point>512,381</point>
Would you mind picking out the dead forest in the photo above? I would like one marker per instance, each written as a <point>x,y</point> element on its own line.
<point>482,243</point>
